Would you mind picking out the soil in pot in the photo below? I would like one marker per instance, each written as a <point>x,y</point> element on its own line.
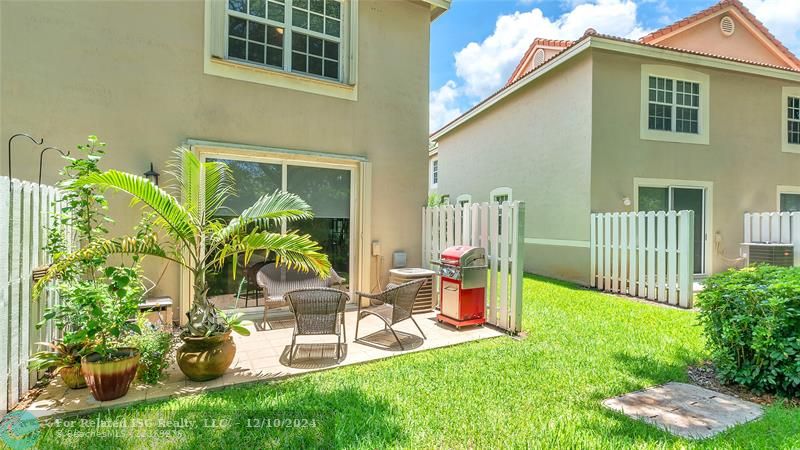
<point>72,377</point>
<point>110,379</point>
<point>206,358</point>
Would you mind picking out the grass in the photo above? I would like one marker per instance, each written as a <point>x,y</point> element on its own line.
<point>542,391</point>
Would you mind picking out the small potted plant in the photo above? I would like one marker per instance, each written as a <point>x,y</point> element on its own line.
<point>154,344</point>
<point>109,367</point>
<point>64,360</point>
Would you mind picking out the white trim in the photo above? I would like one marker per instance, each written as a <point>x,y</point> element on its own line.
<point>216,66</point>
<point>463,198</point>
<point>501,191</point>
<point>708,204</point>
<point>784,189</point>
<point>434,162</point>
<point>558,242</point>
<point>630,48</point>
<point>786,92</point>
<point>675,73</point>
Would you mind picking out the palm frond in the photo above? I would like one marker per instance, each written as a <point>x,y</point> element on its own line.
<point>293,250</point>
<point>185,171</point>
<point>129,245</point>
<point>270,209</point>
<point>219,186</point>
<point>172,214</point>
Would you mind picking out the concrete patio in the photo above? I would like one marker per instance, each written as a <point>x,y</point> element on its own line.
<point>263,356</point>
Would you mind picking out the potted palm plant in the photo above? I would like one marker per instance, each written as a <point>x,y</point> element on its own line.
<point>200,243</point>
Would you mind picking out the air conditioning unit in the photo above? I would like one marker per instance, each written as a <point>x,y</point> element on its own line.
<point>774,254</point>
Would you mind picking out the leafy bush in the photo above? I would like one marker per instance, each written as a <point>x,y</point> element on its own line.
<point>155,345</point>
<point>751,318</point>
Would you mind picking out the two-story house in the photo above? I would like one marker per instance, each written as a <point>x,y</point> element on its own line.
<point>324,98</point>
<point>702,115</point>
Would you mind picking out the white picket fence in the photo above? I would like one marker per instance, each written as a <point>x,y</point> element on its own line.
<point>500,230</point>
<point>646,254</point>
<point>26,211</point>
<point>774,228</point>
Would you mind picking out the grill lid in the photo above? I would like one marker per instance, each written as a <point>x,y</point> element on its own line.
<point>464,256</point>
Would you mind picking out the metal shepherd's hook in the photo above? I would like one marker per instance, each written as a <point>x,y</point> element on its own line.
<point>39,142</point>
<point>41,156</point>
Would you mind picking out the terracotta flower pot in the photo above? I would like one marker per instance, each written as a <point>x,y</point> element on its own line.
<point>72,377</point>
<point>206,358</point>
<point>110,379</point>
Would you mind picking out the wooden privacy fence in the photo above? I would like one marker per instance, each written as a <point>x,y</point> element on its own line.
<point>774,228</point>
<point>26,211</point>
<point>645,254</point>
<point>500,230</point>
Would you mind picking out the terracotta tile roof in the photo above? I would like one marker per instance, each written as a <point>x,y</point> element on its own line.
<point>537,42</point>
<point>713,10</point>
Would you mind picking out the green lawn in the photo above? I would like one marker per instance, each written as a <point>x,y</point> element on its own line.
<point>543,391</point>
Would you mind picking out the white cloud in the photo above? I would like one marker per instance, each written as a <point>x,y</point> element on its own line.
<point>443,106</point>
<point>781,17</point>
<point>486,65</point>
<point>483,67</point>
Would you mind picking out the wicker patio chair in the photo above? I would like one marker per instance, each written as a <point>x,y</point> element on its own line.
<point>276,281</point>
<point>318,311</point>
<point>393,305</point>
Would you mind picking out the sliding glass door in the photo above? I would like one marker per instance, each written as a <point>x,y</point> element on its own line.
<point>678,198</point>
<point>326,189</point>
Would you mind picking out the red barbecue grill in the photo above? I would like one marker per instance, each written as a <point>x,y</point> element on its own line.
<point>462,270</point>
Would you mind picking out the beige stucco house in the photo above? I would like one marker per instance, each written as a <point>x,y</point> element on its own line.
<point>702,115</point>
<point>325,98</point>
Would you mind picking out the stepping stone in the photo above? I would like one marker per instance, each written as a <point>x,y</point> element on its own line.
<point>685,410</point>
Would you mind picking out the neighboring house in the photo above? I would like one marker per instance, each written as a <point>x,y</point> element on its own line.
<point>324,98</point>
<point>702,115</point>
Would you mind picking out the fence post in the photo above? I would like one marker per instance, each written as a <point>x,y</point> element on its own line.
<point>795,233</point>
<point>519,256</point>
<point>5,191</point>
<point>686,257</point>
<point>593,250</point>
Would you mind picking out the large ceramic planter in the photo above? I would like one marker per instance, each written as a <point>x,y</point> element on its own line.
<point>206,358</point>
<point>72,377</point>
<point>108,380</point>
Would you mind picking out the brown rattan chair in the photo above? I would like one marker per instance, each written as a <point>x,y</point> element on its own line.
<point>318,311</point>
<point>395,304</point>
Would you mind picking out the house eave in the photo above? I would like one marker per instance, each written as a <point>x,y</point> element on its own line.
<point>625,47</point>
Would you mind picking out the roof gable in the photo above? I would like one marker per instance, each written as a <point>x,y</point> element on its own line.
<point>701,32</point>
<point>549,48</point>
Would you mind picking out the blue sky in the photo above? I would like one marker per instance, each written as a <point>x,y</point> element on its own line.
<point>477,43</point>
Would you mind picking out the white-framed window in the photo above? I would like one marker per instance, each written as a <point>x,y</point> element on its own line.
<point>463,199</point>
<point>297,36</point>
<point>674,104</point>
<point>500,195</point>
<point>306,45</point>
<point>789,198</point>
<point>790,123</point>
<point>434,173</point>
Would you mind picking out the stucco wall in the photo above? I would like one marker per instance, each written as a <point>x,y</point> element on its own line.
<point>744,160</point>
<point>537,142</point>
<point>132,73</point>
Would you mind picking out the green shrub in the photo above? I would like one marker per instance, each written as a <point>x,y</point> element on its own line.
<point>751,319</point>
<point>155,345</point>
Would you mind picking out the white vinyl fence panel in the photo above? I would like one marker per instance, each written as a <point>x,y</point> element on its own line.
<point>774,228</point>
<point>26,211</point>
<point>645,254</point>
<point>500,230</point>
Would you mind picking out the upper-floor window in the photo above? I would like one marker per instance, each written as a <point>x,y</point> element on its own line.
<point>299,36</point>
<point>793,117</point>
<point>674,104</point>
<point>435,172</point>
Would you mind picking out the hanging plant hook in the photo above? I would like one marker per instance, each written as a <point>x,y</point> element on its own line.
<point>41,156</point>
<point>32,139</point>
